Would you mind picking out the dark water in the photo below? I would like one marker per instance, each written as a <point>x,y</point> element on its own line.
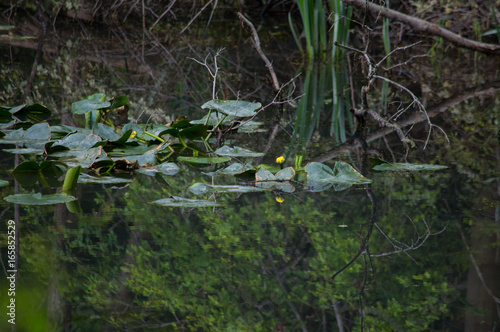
<point>412,251</point>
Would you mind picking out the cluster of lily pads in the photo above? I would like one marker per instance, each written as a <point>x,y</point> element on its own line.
<point>102,153</point>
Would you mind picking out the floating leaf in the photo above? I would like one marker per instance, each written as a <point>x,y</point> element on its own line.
<point>204,160</point>
<point>85,178</point>
<point>77,141</point>
<point>185,202</point>
<point>106,132</point>
<point>342,173</point>
<point>35,112</point>
<point>37,133</point>
<point>237,168</point>
<point>381,165</point>
<point>165,168</point>
<point>39,199</point>
<point>236,152</point>
<point>236,108</point>
<point>201,188</point>
<point>88,105</point>
<point>266,179</point>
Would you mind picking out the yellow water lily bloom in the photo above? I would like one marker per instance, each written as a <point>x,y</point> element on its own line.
<point>280,199</point>
<point>134,133</point>
<point>280,160</point>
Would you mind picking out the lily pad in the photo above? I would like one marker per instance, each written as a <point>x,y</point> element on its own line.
<point>165,168</point>
<point>278,181</point>
<point>236,108</point>
<point>381,165</point>
<point>88,105</point>
<point>37,133</point>
<point>185,202</point>
<point>342,173</point>
<point>204,160</point>
<point>202,188</point>
<point>39,199</point>
<point>85,178</point>
<point>237,168</point>
<point>236,151</point>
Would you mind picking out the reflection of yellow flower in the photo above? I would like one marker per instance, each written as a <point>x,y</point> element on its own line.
<point>280,160</point>
<point>134,133</point>
<point>280,199</point>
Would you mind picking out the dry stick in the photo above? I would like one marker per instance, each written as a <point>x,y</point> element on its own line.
<point>424,26</point>
<point>256,42</point>
<point>195,16</point>
<point>161,16</point>
<point>276,85</point>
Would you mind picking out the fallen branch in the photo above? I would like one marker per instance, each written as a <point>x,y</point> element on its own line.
<point>424,26</point>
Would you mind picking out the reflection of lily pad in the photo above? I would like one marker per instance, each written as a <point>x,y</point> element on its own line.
<point>236,152</point>
<point>185,202</point>
<point>201,188</point>
<point>204,160</point>
<point>39,199</point>
<point>381,165</point>
<point>342,173</point>
<point>237,108</point>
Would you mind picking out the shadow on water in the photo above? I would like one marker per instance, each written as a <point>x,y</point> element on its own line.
<point>364,234</point>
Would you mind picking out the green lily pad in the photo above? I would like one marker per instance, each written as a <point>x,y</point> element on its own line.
<point>165,168</point>
<point>106,132</point>
<point>39,199</point>
<point>202,188</point>
<point>238,108</point>
<point>342,173</point>
<point>88,105</point>
<point>185,202</point>
<point>204,160</point>
<point>85,178</point>
<point>278,181</point>
<point>35,112</point>
<point>381,165</point>
<point>237,168</point>
<point>77,141</point>
<point>37,133</point>
<point>236,152</point>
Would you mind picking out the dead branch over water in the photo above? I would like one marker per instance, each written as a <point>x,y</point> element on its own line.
<point>427,27</point>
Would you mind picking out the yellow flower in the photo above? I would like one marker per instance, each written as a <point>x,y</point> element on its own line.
<point>280,199</point>
<point>134,133</point>
<point>280,160</point>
